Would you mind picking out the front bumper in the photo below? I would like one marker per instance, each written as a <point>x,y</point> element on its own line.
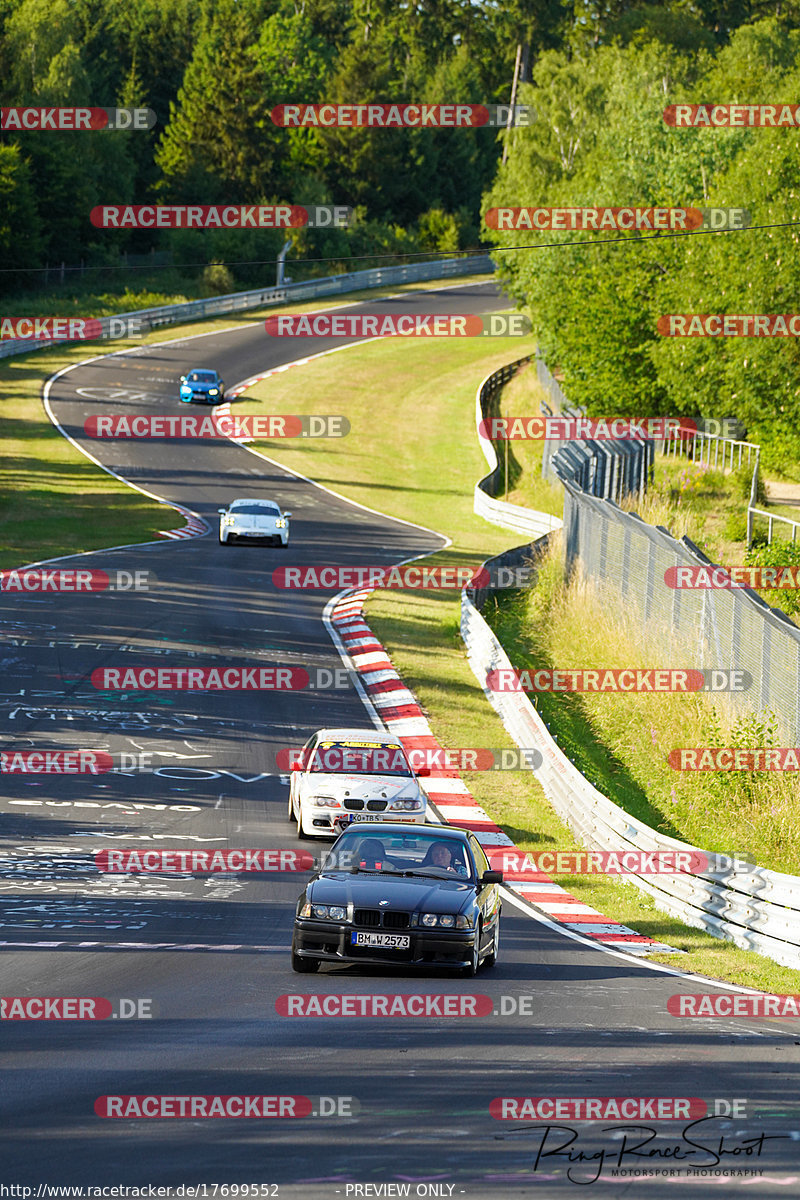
<point>329,941</point>
<point>201,398</point>
<point>333,821</point>
<point>273,537</point>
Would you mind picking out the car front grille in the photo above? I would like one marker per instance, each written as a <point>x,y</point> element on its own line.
<point>371,805</point>
<point>374,918</point>
<point>367,916</point>
<point>395,920</point>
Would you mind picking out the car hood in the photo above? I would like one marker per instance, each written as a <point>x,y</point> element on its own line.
<point>409,893</point>
<point>361,786</point>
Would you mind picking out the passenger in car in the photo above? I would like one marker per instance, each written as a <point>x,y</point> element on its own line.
<point>371,854</point>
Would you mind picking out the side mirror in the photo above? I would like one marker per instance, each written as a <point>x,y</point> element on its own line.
<point>287,514</point>
<point>183,379</point>
<point>491,877</point>
<point>222,510</point>
<point>422,772</point>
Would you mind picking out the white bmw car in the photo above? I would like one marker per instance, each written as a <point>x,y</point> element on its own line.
<point>343,776</point>
<point>252,521</point>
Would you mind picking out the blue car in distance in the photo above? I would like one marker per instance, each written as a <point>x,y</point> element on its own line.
<point>203,386</point>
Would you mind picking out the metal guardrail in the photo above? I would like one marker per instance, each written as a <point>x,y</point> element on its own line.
<point>499,512</point>
<point>609,469</point>
<point>771,517</point>
<point>757,909</point>
<point>330,285</point>
<point>697,447</point>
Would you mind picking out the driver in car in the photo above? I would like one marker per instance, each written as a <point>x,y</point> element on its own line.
<point>440,855</point>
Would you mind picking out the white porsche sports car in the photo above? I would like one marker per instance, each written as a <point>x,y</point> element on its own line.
<point>343,776</point>
<point>252,521</point>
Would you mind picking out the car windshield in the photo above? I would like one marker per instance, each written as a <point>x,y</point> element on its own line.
<point>436,855</point>
<point>255,510</point>
<point>201,377</point>
<point>360,758</point>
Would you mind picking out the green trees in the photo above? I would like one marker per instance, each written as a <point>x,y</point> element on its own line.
<point>601,140</point>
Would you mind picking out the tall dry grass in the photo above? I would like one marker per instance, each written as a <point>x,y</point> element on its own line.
<point>581,624</point>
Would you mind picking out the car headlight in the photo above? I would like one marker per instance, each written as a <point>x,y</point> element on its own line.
<point>213,391</point>
<point>280,524</point>
<point>325,801</point>
<point>405,805</point>
<point>328,912</point>
<point>185,387</point>
<point>442,920</point>
<point>463,922</point>
<point>228,520</point>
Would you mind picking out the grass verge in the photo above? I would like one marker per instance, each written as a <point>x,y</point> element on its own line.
<point>53,500</point>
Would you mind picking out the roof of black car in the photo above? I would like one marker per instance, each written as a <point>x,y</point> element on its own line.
<point>407,827</point>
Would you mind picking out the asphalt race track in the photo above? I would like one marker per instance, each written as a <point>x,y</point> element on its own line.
<point>211,954</point>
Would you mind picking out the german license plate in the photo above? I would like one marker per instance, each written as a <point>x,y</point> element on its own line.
<point>367,816</point>
<point>386,941</point>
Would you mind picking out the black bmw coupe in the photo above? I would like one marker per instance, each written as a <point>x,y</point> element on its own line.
<point>416,896</point>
